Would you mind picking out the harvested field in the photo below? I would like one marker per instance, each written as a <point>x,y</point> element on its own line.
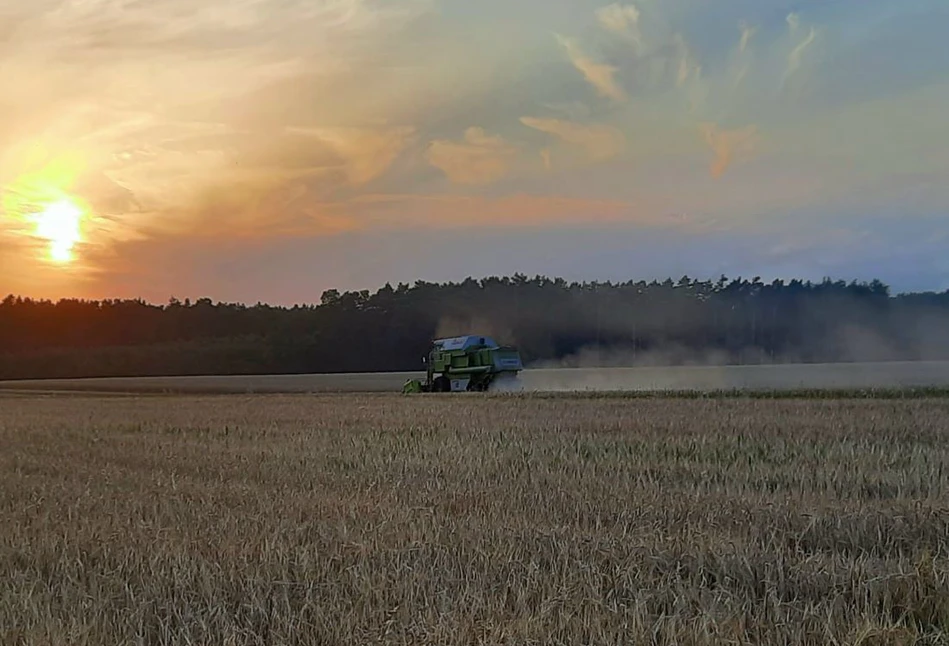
<point>915,374</point>
<point>569,519</point>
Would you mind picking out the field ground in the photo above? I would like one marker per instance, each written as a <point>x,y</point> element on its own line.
<point>777,377</point>
<point>508,519</point>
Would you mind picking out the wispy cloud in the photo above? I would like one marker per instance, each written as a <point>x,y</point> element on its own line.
<point>174,108</point>
<point>600,142</point>
<point>747,33</point>
<point>794,22</point>
<point>366,152</point>
<point>688,66</point>
<point>600,75</point>
<point>797,54</point>
<point>478,159</point>
<point>745,58</point>
<point>622,20</point>
<point>547,158</point>
<point>728,146</point>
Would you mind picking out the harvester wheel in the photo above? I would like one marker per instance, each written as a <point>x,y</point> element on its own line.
<point>479,386</point>
<point>441,385</point>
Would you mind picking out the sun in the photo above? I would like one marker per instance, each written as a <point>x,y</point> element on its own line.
<point>59,223</point>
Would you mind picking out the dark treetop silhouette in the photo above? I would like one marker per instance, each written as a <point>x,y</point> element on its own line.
<point>553,322</point>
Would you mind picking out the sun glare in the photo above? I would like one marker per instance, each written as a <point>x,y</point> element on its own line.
<point>59,223</point>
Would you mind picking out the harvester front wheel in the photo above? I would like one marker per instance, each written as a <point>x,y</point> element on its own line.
<point>479,385</point>
<point>441,385</point>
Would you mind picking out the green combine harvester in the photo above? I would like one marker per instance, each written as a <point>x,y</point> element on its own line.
<point>467,364</point>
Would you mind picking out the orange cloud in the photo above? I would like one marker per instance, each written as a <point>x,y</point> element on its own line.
<point>600,142</point>
<point>546,157</point>
<point>599,75</point>
<point>250,183</point>
<point>479,159</point>
<point>178,111</point>
<point>367,152</point>
<point>728,145</point>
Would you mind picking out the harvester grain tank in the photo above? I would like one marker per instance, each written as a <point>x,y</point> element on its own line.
<point>467,363</point>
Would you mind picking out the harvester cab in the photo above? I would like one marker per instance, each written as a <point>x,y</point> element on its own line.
<point>467,364</point>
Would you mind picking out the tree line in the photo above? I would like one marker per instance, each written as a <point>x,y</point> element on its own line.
<point>551,321</point>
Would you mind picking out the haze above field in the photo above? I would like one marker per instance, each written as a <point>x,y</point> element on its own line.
<point>268,150</point>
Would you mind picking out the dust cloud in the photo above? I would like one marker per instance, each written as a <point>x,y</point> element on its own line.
<point>867,360</point>
<point>884,352</point>
<point>759,377</point>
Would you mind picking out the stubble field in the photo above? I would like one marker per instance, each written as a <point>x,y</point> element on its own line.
<point>528,519</point>
<point>835,376</point>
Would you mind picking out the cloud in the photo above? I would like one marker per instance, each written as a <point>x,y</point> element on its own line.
<point>478,159</point>
<point>794,22</point>
<point>599,75</point>
<point>175,108</point>
<point>600,142</point>
<point>745,59</point>
<point>794,58</point>
<point>367,152</point>
<point>688,66</point>
<point>574,110</point>
<point>747,33</point>
<point>260,184</point>
<point>728,145</point>
<point>546,157</point>
<point>620,19</point>
<point>189,180</point>
<point>96,28</point>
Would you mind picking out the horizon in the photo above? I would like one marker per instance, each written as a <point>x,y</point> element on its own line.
<point>265,151</point>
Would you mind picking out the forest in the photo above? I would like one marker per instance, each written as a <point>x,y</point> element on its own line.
<point>553,322</point>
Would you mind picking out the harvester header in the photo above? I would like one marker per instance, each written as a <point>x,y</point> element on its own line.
<point>467,363</point>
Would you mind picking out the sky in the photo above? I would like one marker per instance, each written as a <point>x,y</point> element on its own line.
<point>267,150</point>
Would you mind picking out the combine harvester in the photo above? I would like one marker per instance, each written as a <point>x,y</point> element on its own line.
<point>468,364</point>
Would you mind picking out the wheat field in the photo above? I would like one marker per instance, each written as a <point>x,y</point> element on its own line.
<point>383,519</point>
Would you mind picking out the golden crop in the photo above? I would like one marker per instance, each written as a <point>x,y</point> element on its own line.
<point>358,519</point>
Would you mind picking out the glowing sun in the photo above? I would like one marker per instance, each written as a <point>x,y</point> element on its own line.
<point>59,223</point>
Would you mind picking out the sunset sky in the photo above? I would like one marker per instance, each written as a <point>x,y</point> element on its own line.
<point>267,150</point>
